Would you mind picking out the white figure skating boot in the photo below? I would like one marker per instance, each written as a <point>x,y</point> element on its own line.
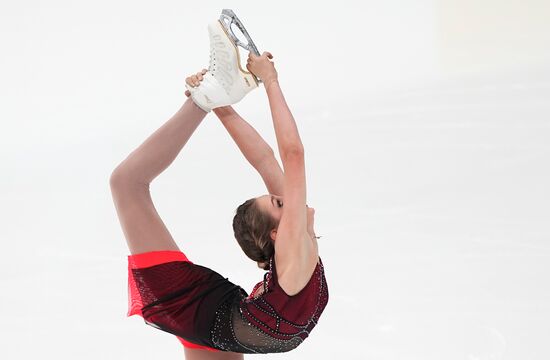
<point>225,82</point>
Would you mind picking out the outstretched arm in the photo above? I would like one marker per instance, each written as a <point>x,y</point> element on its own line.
<point>254,148</point>
<point>296,253</point>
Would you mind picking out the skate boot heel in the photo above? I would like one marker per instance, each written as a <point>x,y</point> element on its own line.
<point>209,94</point>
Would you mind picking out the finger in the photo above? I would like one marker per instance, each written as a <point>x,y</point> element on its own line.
<point>195,80</point>
<point>190,80</point>
<point>199,76</point>
<point>269,55</point>
<point>204,71</point>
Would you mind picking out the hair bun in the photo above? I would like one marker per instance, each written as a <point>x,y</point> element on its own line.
<point>263,265</point>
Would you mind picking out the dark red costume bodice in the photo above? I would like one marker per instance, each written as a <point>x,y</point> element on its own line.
<point>273,321</point>
<point>202,307</point>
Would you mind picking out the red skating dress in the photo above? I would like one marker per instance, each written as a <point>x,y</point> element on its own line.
<point>205,310</point>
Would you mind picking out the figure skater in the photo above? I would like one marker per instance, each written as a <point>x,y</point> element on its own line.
<point>212,317</point>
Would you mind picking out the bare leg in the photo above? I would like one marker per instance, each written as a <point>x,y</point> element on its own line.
<point>160,149</point>
<point>142,226</point>
<point>199,354</point>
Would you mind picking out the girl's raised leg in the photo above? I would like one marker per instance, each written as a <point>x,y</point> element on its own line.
<point>160,149</point>
<point>143,228</point>
<point>199,354</point>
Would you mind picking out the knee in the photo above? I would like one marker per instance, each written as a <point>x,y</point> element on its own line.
<point>117,179</point>
<point>121,179</point>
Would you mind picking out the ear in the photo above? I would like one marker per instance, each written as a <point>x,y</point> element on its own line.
<point>273,234</point>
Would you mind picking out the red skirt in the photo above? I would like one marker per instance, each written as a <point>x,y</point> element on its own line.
<point>139,293</point>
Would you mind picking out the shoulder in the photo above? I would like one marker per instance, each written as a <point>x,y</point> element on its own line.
<point>294,274</point>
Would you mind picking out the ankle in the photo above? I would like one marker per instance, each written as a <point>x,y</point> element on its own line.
<point>197,106</point>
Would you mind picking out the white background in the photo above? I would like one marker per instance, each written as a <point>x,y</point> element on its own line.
<point>426,126</point>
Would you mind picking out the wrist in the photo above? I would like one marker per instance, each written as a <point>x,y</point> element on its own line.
<point>224,112</point>
<point>270,81</point>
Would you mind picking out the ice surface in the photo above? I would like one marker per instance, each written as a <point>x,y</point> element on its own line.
<point>427,154</point>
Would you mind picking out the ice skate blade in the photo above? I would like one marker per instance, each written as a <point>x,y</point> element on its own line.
<point>227,18</point>
<point>238,55</point>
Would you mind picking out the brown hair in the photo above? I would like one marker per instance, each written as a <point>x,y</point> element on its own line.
<point>252,228</point>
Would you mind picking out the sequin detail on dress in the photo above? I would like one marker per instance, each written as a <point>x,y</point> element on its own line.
<point>206,310</point>
<point>273,321</point>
